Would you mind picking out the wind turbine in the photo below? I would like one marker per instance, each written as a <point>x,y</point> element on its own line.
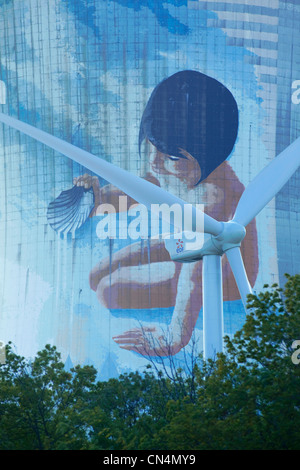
<point>223,237</point>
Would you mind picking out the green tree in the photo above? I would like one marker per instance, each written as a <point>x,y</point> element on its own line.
<point>130,410</point>
<point>41,404</point>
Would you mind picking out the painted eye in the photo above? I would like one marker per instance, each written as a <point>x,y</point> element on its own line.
<point>174,159</point>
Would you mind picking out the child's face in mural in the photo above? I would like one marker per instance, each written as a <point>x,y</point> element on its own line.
<point>185,167</point>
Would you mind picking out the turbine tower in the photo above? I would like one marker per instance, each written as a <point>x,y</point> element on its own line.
<point>222,238</point>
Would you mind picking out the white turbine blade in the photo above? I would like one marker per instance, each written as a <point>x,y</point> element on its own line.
<point>235,259</point>
<point>267,184</point>
<point>212,291</point>
<point>139,189</point>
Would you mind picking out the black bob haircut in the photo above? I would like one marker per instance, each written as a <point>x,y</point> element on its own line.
<point>193,112</point>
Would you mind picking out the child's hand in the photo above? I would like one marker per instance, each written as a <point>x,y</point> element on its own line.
<point>89,181</point>
<point>86,180</point>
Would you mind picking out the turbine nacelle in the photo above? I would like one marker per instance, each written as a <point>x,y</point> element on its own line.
<point>183,250</point>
